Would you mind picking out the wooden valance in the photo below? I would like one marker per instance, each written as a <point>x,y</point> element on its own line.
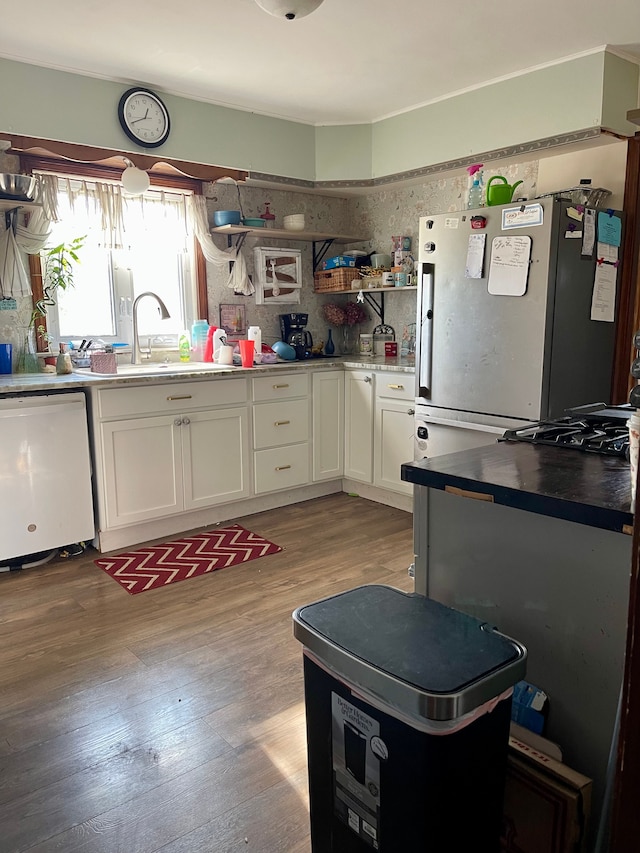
<point>160,169</point>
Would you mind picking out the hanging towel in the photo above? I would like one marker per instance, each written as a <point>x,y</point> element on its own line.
<point>14,281</point>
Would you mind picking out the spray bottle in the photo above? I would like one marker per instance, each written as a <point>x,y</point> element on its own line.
<point>474,193</point>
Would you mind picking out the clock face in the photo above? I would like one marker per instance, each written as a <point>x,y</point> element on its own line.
<point>144,118</point>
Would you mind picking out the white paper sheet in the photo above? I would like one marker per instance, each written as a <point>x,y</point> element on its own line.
<point>606,252</point>
<point>589,233</point>
<point>475,256</point>
<point>603,299</point>
<point>509,269</point>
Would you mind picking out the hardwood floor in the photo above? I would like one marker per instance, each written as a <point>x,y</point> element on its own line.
<point>173,720</point>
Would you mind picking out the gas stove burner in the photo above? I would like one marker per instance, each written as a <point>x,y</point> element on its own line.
<point>602,431</point>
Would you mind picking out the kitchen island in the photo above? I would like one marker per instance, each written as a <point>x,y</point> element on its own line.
<point>534,540</point>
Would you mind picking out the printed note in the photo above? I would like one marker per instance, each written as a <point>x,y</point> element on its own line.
<point>509,266</point>
<point>603,299</point>
<point>609,229</point>
<point>475,256</point>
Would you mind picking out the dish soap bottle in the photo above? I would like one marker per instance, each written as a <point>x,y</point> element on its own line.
<point>184,346</point>
<point>474,196</point>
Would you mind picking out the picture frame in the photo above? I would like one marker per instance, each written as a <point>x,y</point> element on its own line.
<point>233,318</point>
<point>282,267</point>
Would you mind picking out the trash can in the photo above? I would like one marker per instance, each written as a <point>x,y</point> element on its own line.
<point>408,705</point>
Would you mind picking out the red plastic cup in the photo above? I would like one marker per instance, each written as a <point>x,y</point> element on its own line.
<point>246,352</point>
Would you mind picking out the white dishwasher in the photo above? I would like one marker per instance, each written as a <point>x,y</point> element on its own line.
<point>45,473</point>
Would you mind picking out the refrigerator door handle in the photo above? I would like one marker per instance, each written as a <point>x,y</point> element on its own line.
<point>425,337</point>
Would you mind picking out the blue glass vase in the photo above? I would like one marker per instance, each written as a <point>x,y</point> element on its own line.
<point>329,347</point>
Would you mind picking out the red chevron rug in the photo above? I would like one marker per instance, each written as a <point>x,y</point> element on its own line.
<point>160,565</point>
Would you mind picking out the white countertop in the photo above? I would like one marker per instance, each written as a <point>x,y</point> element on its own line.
<point>25,382</point>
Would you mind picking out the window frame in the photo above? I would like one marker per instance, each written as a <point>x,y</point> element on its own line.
<point>96,171</point>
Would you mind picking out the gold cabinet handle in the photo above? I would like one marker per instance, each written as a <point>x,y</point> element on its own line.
<point>396,387</point>
<point>183,397</point>
<point>281,423</point>
<point>283,467</point>
<point>286,385</point>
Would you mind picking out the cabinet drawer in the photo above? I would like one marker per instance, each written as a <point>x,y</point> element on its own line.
<point>276,424</point>
<point>281,468</point>
<point>395,386</point>
<point>274,387</point>
<point>170,397</point>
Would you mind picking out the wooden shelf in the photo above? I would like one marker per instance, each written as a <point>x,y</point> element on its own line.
<point>282,233</point>
<point>378,289</point>
<point>17,204</point>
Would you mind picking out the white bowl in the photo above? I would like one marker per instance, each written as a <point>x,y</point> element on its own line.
<point>294,217</point>
<point>294,226</point>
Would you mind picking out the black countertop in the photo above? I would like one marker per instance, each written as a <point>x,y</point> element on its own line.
<point>564,483</point>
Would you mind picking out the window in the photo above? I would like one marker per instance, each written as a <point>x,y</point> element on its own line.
<point>151,251</point>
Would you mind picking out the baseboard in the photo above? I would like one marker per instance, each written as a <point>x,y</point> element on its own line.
<point>124,537</point>
<point>381,496</point>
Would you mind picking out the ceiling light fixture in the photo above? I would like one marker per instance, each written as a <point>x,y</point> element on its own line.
<point>289,9</point>
<point>135,181</point>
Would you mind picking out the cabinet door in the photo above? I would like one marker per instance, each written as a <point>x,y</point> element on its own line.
<point>142,469</point>
<point>358,425</point>
<point>393,444</point>
<point>215,449</point>
<point>328,425</point>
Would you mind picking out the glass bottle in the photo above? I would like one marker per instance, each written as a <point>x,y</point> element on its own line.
<point>329,347</point>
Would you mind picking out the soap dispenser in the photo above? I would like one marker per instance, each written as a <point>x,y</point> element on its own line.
<point>219,338</point>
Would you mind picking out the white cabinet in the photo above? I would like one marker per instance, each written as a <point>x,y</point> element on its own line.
<point>358,425</point>
<point>394,430</point>
<point>166,449</point>
<point>281,427</point>
<point>328,424</point>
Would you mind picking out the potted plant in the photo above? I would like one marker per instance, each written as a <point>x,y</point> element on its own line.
<point>58,264</point>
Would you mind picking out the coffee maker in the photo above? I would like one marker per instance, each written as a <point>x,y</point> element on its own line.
<point>292,329</point>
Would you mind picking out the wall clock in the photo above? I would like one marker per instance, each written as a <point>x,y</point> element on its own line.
<point>144,118</point>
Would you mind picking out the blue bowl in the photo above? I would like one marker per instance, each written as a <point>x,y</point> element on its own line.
<point>284,350</point>
<point>226,217</point>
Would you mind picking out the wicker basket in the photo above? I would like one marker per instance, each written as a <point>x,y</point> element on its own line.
<point>334,281</point>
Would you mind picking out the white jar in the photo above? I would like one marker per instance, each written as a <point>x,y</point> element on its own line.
<point>366,345</point>
<point>254,334</point>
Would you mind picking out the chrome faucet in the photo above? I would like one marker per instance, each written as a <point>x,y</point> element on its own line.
<point>136,353</point>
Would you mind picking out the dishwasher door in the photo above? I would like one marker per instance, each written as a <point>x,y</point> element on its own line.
<point>45,474</point>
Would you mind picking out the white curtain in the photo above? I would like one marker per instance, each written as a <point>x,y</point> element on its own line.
<point>239,280</point>
<point>98,207</point>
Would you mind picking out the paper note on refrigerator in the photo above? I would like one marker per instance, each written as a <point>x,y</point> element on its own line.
<point>603,299</point>
<point>609,228</point>
<point>589,233</point>
<point>475,256</point>
<point>509,269</point>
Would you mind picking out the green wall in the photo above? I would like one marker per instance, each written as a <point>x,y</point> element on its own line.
<point>587,92</point>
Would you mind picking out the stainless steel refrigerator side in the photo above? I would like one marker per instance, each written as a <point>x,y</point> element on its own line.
<point>420,544</point>
<point>487,350</point>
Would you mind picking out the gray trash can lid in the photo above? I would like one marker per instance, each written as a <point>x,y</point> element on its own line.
<point>410,651</point>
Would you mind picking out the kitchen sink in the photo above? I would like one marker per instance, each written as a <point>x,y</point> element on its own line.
<point>160,369</point>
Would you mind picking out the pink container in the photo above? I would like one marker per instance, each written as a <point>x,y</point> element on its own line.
<point>246,352</point>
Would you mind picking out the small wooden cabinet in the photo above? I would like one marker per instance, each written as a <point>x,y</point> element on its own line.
<point>281,428</point>
<point>168,448</point>
<point>328,425</point>
<point>394,430</point>
<point>358,425</point>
